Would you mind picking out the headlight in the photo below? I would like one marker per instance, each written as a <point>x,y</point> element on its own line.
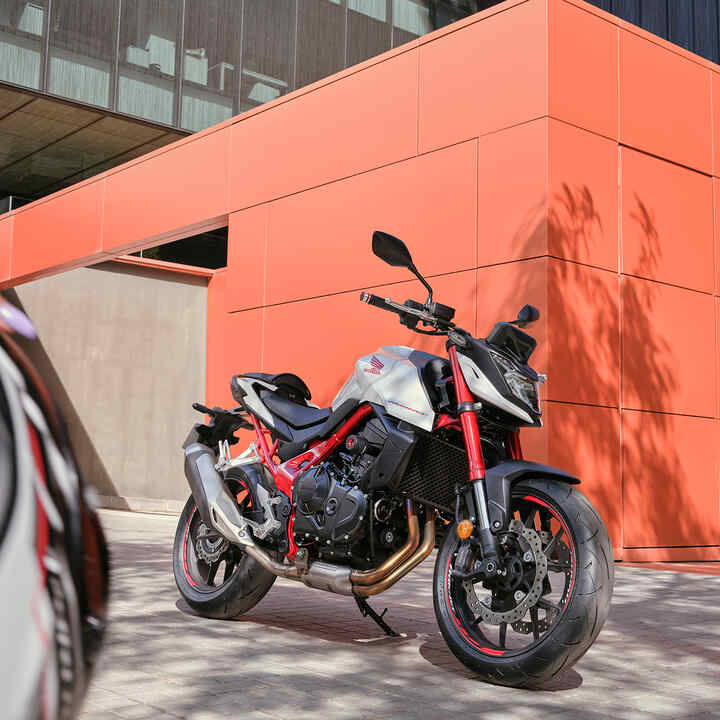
<point>521,386</point>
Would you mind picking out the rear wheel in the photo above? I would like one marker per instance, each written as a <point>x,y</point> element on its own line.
<point>548,608</point>
<point>216,579</point>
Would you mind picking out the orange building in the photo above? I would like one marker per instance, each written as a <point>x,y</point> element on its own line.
<point>541,151</point>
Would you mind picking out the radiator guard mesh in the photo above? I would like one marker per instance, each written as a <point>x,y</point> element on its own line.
<point>435,468</point>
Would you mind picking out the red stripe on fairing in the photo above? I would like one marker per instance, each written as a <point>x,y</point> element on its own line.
<point>571,544</point>
<point>42,527</point>
<point>184,550</point>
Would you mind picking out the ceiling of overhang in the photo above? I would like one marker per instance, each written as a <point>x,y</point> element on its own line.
<point>47,144</point>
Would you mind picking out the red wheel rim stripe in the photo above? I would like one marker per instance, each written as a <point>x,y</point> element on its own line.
<point>184,548</point>
<point>463,632</point>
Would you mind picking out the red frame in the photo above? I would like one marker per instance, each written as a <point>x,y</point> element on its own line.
<point>287,472</point>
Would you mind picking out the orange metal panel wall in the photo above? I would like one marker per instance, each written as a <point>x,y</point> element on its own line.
<point>632,200</point>
<point>542,151</point>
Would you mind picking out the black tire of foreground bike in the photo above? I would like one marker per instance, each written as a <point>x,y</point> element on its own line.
<point>583,617</point>
<point>244,589</point>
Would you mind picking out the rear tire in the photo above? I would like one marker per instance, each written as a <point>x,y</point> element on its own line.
<point>245,587</point>
<point>584,610</point>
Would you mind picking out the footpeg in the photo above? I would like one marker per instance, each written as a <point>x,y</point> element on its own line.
<point>367,611</point>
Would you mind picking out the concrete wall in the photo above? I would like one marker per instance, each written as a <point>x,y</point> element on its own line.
<point>123,350</point>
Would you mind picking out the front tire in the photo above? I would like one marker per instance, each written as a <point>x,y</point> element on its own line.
<point>224,588</point>
<point>530,651</point>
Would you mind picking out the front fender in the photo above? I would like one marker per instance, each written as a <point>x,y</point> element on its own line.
<point>500,479</point>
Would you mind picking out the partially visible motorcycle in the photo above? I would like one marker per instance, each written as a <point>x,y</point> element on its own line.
<point>53,555</point>
<point>417,451</point>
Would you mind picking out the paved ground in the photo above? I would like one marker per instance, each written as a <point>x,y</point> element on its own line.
<point>304,653</point>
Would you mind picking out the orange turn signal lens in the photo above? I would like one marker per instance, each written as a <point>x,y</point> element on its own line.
<point>464,529</point>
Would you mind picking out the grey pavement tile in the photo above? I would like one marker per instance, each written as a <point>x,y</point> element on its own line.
<point>303,653</point>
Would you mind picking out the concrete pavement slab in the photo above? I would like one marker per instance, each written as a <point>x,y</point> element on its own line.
<point>302,652</point>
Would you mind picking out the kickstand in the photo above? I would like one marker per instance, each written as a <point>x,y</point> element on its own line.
<point>367,611</point>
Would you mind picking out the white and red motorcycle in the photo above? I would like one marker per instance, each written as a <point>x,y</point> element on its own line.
<point>336,497</point>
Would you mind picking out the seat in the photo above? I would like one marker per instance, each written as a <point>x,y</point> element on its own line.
<point>295,422</point>
<point>295,440</point>
<point>296,415</point>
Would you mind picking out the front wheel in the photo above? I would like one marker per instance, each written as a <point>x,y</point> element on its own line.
<point>539,618</point>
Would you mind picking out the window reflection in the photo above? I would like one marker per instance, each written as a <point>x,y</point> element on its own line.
<point>234,54</point>
<point>368,30</point>
<point>268,37</point>
<point>82,46</point>
<point>210,62</point>
<point>148,46</point>
<point>22,24</point>
<point>321,40</point>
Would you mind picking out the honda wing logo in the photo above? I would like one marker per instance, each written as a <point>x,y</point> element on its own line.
<point>375,366</point>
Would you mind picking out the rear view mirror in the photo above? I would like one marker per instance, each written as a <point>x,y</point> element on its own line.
<point>528,314</point>
<point>391,249</point>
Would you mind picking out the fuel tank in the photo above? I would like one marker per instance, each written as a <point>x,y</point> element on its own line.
<point>390,378</point>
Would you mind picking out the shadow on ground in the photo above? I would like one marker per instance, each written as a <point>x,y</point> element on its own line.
<point>304,652</point>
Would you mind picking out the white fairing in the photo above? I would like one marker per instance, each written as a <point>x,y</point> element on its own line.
<point>484,390</point>
<point>389,378</point>
<point>252,399</point>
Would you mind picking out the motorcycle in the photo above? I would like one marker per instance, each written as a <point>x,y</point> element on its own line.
<point>416,452</point>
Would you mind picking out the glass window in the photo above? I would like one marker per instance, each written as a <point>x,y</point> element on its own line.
<point>411,18</point>
<point>320,40</point>
<point>210,61</point>
<point>444,12</point>
<point>82,49</point>
<point>369,32</point>
<point>206,250</point>
<point>268,35</point>
<point>22,23</point>
<point>148,46</point>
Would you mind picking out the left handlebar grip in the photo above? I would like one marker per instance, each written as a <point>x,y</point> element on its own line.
<point>202,408</point>
<point>374,300</point>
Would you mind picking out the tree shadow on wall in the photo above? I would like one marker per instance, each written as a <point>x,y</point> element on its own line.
<point>89,462</point>
<point>583,313</point>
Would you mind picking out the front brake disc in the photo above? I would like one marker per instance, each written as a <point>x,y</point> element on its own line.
<point>483,610</point>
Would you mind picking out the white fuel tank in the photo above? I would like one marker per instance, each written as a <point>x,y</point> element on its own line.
<point>389,378</point>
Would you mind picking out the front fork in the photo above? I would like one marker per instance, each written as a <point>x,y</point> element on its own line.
<point>476,466</point>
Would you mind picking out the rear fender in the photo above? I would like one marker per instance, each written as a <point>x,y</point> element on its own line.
<point>500,479</point>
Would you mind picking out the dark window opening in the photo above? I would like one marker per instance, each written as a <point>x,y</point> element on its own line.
<point>206,250</point>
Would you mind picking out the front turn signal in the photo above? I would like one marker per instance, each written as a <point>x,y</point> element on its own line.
<point>464,529</point>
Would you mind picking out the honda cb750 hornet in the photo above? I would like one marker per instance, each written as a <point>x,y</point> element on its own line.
<point>416,452</point>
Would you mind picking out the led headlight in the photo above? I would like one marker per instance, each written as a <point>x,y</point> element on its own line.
<point>521,386</point>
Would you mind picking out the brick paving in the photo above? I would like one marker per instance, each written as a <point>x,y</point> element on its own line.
<point>304,653</point>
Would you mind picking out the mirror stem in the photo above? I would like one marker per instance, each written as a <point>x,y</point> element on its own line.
<point>415,272</point>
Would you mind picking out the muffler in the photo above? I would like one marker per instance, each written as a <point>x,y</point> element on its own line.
<point>218,509</point>
<point>204,480</point>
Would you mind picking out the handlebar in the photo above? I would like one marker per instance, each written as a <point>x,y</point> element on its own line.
<point>412,312</point>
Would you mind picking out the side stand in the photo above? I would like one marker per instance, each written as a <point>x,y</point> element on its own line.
<point>367,611</point>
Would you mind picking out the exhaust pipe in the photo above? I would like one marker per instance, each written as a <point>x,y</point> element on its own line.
<point>413,561</point>
<point>370,577</point>
<point>218,509</point>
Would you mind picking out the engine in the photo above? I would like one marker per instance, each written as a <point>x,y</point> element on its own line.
<point>341,515</point>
